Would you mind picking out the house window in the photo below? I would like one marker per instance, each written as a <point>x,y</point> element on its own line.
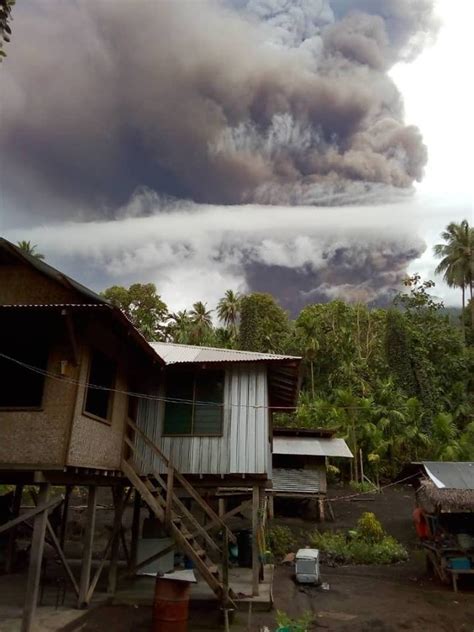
<point>201,411</point>
<point>22,387</point>
<point>102,375</point>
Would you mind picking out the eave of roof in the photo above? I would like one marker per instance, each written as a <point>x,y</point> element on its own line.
<point>174,353</point>
<point>311,446</point>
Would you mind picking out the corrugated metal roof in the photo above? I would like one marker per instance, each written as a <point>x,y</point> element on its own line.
<point>295,481</point>
<point>309,446</point>
<point>451,475</point>
<point>173,353</point>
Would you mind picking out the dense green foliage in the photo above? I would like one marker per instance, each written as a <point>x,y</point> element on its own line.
<point>397,383</point>
<point>142,305</point>
<point>264,325</point>
<point>6,7</point>
<point>366,544</point>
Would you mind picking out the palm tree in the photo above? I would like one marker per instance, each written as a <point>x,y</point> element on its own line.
<point>29,249</point>
<point>228,310</point>
<point>201,321</point>
<point>178,328</point>
<point>457,258</point>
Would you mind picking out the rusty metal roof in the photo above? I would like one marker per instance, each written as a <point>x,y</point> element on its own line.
<point>311,446</point>
<point>173,353</point>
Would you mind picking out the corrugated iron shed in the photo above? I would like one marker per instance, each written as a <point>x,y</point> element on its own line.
<point>298,482</point>
<point>309,446</point>
<point>451,475</point>
<point>173,353</point>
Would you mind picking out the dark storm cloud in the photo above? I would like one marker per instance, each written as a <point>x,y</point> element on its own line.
<point>273,102</point>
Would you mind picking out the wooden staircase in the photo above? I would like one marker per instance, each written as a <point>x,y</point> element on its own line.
<point>192,539</point>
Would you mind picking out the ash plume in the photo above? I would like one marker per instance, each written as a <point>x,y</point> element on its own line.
<point>229,102</point>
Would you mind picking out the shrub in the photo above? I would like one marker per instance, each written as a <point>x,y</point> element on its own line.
<point>280,540</point>
<point>294,625</point>
<point>367,544</point>
<point>363,487</point>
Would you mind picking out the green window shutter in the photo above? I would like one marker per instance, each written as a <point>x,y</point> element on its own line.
<point>179,415</point>
<point>208,416</point>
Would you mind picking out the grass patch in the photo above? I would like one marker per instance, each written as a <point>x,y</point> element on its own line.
<point>368,543</point>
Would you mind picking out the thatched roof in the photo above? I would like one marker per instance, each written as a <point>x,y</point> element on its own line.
<point>433,499</point>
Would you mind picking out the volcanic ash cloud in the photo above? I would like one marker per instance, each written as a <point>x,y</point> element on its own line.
<point>272,102</point>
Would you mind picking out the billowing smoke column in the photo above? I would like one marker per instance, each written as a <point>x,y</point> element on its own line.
<point>269,101</point>
<point>225,102</point>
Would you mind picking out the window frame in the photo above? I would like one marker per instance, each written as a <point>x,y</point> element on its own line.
<point>37,407</point>
<point>195,373</point>
<point>110,405</point>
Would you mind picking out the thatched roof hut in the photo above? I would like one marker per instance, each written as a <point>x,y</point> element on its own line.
<point>433,499</point>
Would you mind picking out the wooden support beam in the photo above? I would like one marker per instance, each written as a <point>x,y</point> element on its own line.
<point>221,503</point>
<point>169,495</point>
<point>64,516</point>
<point>36,558</point>
<point>10,550</point>
<point>150,560</point>
<point>225,569</point>
<point>255,552</point>
<point>31,513</point>
<point>120,502</point>
<point>271,507</point>
<point>87,547</point>
<point>62,557</point>
<point>212,525</point>
<point>137,503</point>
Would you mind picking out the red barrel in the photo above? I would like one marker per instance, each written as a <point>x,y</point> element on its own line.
<point>170,606</point>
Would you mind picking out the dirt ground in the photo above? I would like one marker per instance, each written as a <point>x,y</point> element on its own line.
<point>359,599</point>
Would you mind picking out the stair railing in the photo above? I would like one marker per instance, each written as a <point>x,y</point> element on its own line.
<point>174,475</point>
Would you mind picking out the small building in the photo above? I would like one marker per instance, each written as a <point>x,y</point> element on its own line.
<point>212,415</point>
<point>444,517</point>
<point>300,458</point>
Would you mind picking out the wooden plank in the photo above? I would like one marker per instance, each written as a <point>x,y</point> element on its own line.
<point>145,493</point>
<point>62,557</point>
<point>31,513</point>
<point>255,552</point>
<point>36,558</point>
<point>169,495</point>
<point>10,550</point>
<point>135,528</point>
<point>64,517</point>
<point>87,550</point>
<point>120,502</point>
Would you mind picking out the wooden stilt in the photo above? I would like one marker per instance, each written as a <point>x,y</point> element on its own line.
<point>36,558</point>
<point>321,509</point>
<point>221,507</point>
<point>87,550</point>
<point>10,551</point>
<point>135,529</point>
<point>119,503</point>
<point>64,516</point>
<point>271,507</point>
<point>255,553</point>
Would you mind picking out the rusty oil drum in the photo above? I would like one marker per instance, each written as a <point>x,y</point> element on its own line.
<point>170,606</point>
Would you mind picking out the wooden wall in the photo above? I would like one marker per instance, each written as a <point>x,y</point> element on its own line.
<point>22,284</point>
<point>96,443</point>
<point>39,437</point>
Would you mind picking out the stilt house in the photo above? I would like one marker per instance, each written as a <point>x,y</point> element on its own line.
<point>85,400</point>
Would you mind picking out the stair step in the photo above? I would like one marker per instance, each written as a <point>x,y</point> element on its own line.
<point>200,552</point>
<point>213,569</point>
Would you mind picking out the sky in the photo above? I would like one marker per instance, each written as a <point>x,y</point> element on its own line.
<point>197,206</point>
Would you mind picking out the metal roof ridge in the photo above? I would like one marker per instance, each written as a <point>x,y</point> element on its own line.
<point>224,349</point>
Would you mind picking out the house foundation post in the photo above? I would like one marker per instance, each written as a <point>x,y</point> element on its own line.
<point>36,558</point>
<point>10,551</point>
<point>65,516</point>
<point>87,549</point>
<point>135,530</point>
<point>255,529</point>
<point>114,552</point>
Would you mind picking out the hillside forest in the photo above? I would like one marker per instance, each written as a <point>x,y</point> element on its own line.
<point>395,382</point>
